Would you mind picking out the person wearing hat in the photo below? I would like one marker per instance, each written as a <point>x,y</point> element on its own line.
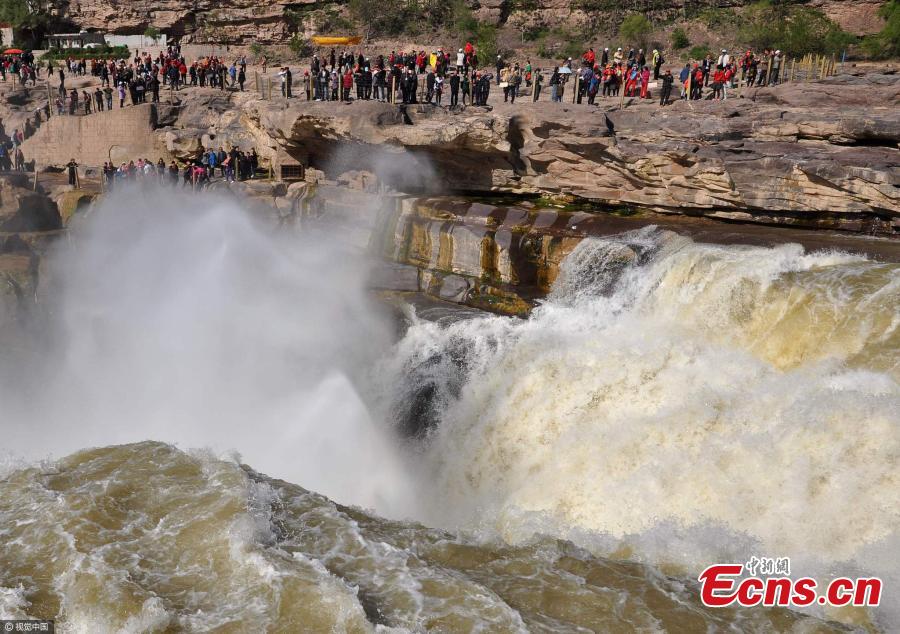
<point>460,61</point>
<point>724,59</point>
<point>658,61</point>
<point>617,56</point>
<point>499,65</point>
<point>604,59</point>
<point>776,68</point>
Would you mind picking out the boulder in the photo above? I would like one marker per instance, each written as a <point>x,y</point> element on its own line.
<point>24,210</point>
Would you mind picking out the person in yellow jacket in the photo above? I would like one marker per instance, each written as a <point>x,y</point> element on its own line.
<point>505,72</point>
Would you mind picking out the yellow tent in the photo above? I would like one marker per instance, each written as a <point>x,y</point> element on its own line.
<point>323,40</point>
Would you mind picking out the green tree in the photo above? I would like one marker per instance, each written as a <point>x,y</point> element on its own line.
<point>793,29</point>
<point>887,42</point>
<point>152,32</point>
<point>300,46</point>
<point>28,17</point>
<point>294,18</point>
<point>680,39</point>
<point>634,30</point>
<point>699,52</point>
<point>486,43</point>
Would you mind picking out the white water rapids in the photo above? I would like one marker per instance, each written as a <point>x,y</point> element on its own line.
<point>674,403</point>
<point>678,403</point>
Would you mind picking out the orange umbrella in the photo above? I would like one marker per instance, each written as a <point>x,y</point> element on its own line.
<point>13,51</point>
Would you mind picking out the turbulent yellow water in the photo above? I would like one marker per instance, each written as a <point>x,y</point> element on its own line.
<point>677,402</point>
<point>144,537</point>
<point>670,405</point>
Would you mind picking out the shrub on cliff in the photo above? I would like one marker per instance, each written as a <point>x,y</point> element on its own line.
<point>793,29</point>
<point>301,46</point>
<point>887,42</point>
<point>699,52</point>
<point>680,39</point>
<point>635,29</point>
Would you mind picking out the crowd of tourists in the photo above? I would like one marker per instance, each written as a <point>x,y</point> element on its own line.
<point>19,68</point>
<point>408,77</point>
<point>230,165</point>
<point>411,77</point>
<point>140,80</point>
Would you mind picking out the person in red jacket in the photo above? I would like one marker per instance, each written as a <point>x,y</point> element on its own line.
<point>717,81</point>
<point>727,75</point>
<point>346,85</point>
<point>697,83</point>
<point>589,58</point>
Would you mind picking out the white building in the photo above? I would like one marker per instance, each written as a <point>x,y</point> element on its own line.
<point>6,35</point>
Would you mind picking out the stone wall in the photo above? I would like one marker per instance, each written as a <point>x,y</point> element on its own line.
<point>121,134</point>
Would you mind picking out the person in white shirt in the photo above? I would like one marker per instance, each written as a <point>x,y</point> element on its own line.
<point>724,59</point>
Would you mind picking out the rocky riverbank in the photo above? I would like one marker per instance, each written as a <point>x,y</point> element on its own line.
<point>478,206</point>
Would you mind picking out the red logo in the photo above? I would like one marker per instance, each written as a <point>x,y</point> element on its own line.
<point>769,584</point>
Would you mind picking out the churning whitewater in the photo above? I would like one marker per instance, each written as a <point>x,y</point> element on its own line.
<point>670,405</point>
<point>674,403</point>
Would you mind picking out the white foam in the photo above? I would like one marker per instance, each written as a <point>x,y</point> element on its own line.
<point>640,409</point>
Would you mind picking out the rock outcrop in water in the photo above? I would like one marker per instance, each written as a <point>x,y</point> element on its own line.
<point>820,155</point>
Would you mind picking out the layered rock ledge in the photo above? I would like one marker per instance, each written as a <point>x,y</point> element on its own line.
<point>823,154</point>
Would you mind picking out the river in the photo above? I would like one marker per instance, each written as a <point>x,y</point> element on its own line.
<point>670,404</point>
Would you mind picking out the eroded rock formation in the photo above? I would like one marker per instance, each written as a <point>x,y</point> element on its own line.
<point>248,21</point>
<point>823,154</point>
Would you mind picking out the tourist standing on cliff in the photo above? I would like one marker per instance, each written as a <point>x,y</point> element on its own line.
<point>667,81</point>
<point>776,68</point>
<point>73,173</point>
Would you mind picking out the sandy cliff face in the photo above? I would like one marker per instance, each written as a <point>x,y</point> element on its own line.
<point>247,21</point>
<point>200,20</point>
<point>821,154</point>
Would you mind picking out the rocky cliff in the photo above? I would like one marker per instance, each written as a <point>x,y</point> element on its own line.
<point>248,21</point>
<point>823,154</point>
